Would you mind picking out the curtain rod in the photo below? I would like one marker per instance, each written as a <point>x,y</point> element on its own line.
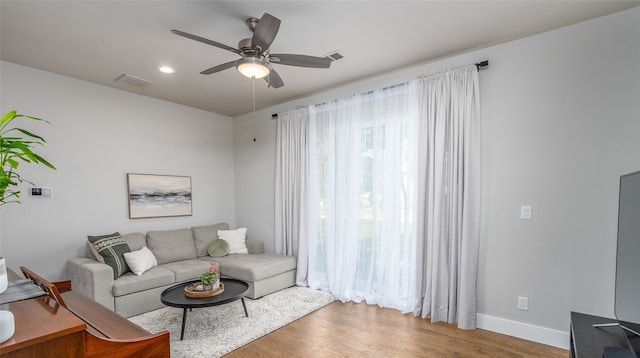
<point>479,65</point>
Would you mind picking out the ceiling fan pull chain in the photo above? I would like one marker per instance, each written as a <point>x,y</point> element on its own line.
<point>254,107</point>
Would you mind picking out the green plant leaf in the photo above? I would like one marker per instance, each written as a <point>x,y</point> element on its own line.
<point>8,117</point>
<point>31,135</point>
<point>13,163</point>
<point>44,161</point>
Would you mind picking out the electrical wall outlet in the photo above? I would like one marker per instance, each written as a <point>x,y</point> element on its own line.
<point>523,303</point>
<point>525,212</point>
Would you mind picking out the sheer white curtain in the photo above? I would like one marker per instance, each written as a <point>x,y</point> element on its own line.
<point>449,209</point>
<point>363,196</point>
<point>291,188</point>
<point>385,205</point>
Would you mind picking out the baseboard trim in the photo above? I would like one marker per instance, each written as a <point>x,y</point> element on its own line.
<point>526,331</point>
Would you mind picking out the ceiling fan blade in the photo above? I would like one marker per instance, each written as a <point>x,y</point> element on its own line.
<point>265,32</point>
<point>206,41</point>
<point>218,68</point>
<point>300,60</point>
<point>273,79</point>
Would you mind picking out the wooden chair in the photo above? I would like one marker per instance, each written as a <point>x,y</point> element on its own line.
<point>50,288</point>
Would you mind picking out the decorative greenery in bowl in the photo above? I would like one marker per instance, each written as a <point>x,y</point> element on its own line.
<point>209,277</point>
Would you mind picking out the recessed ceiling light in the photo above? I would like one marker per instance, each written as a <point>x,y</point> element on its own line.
<point>166,69</point>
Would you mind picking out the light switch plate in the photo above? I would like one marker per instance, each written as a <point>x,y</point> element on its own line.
<point>41,192</point>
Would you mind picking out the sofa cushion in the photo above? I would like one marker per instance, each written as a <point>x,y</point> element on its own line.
<point>188,269</point>
<point>205,235</point>
<point>130,283</point>
<point>112,248</point>
<point>253,268</point>
<point>171,245</point>
<point>135,240</point>
<point>218,248</point>
<point>255,247</point>
<point>236,239</point>
<point>140,261</point>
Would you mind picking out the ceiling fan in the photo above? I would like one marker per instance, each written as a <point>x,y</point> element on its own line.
<point>256,60</point>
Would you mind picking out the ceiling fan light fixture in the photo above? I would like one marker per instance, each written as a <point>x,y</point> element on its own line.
<point>253,67</point>
<point>166,69</point>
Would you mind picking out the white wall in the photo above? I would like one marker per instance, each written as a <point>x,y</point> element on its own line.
<point>97,135</point>
<point>560,124</point>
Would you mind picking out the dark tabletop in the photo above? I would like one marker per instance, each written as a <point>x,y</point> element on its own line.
<point>589,341</point>
<point>174,296</point>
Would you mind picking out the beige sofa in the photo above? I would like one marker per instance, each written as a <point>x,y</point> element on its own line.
<point>181,256</point>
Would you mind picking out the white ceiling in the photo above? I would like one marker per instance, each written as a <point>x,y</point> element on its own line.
<point>98,41</point>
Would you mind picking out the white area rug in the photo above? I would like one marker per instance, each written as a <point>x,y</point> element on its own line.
<point>215,331</point>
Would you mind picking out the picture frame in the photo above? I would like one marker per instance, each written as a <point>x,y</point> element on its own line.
<point>153,195</point>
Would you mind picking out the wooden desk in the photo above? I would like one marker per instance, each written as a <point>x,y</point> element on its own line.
<point>587,341</point>
<point>43,328</point>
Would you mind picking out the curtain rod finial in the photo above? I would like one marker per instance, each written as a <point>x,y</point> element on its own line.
<point>482,64</point>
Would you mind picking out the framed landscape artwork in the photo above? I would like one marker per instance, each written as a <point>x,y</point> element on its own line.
<point>152,196</point>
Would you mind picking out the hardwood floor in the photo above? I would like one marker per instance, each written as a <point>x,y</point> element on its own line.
<point>361,330</point>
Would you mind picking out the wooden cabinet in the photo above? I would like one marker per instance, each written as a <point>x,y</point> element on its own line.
<point>587,341</point>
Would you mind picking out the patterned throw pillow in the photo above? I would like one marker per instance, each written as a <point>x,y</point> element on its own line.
<point>112,248</point>
<point>92,253</point>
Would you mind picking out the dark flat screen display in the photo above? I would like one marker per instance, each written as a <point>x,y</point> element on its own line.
<point>627,297</point>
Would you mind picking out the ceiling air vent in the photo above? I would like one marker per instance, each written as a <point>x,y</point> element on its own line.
<point>134,81</point>
<point>334,56</point>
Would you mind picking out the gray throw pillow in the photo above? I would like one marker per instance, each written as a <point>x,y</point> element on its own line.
<point>218,248</point>
<point>112,248</point>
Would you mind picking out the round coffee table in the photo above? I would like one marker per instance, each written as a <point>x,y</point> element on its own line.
<point>233,290</point>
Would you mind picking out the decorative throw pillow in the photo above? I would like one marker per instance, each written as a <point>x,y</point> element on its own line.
<point>112,248</point>
<point>140,261</point>
<point>92,253</point>
<point>218,248</point>
<point>236,239</point>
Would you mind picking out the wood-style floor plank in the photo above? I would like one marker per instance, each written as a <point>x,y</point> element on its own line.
<point>361,330</point>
